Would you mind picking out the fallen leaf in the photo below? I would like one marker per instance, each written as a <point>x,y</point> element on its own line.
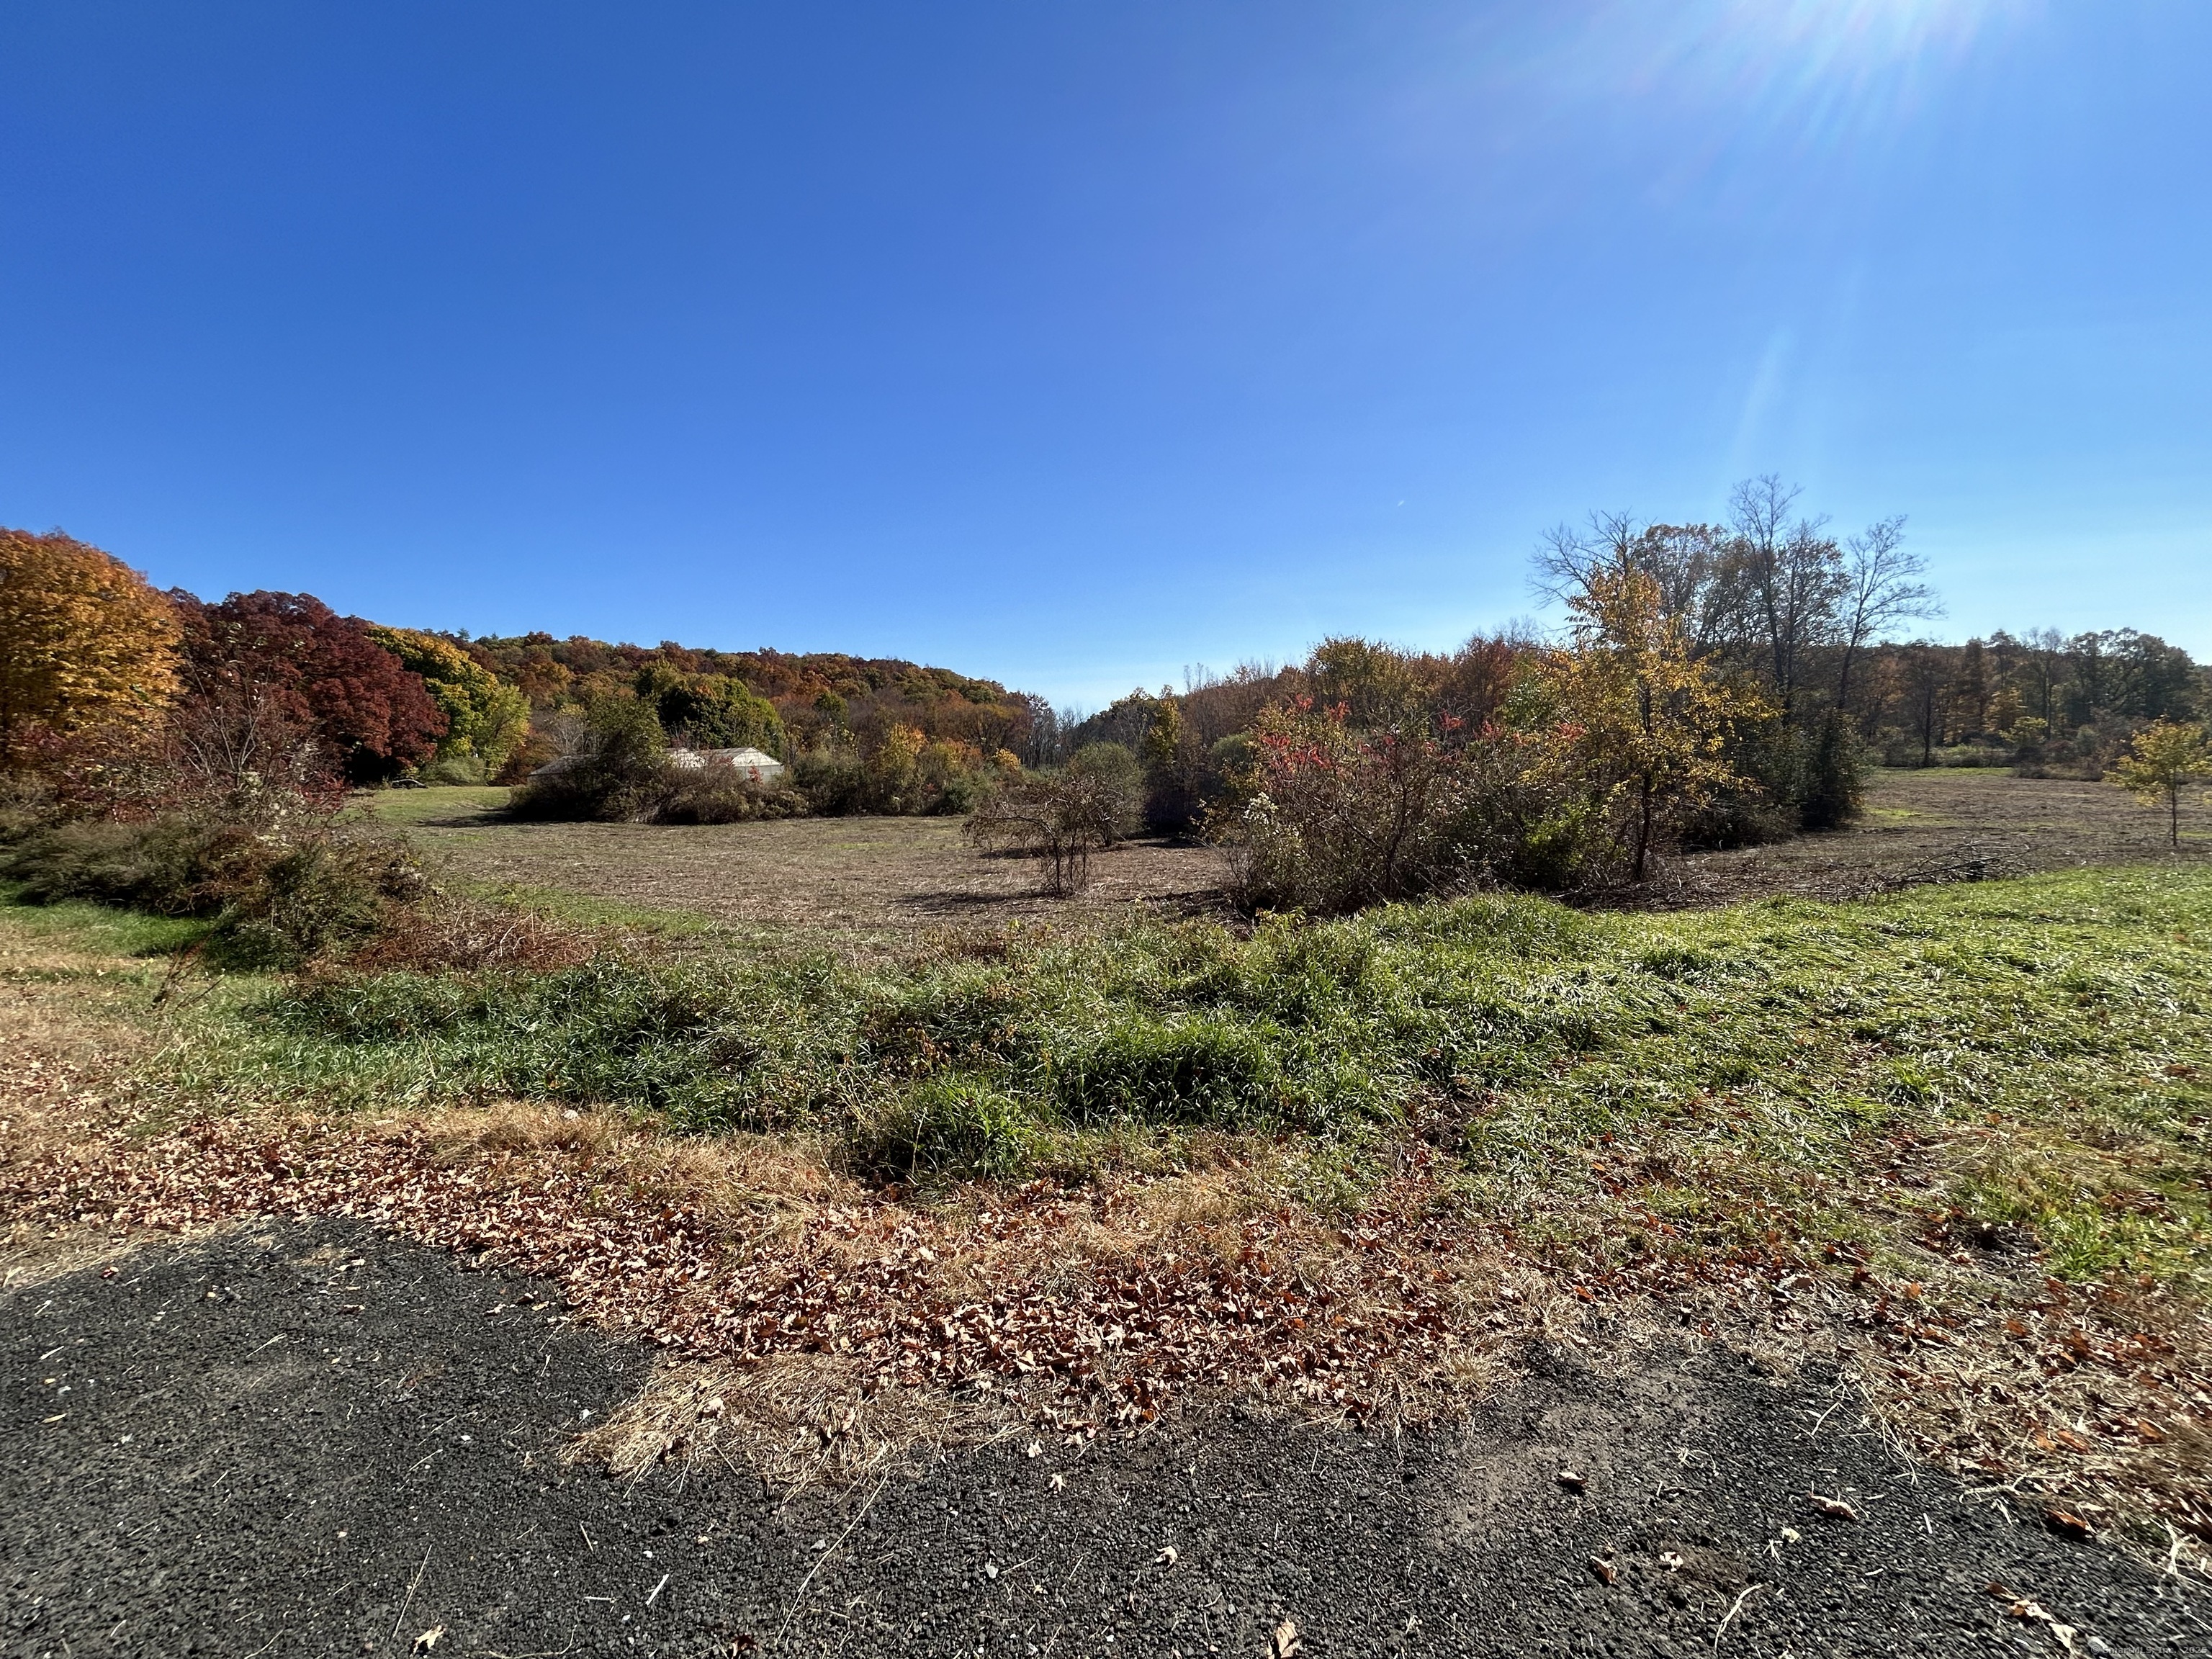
<point>2032,1611</point>
<point>1166,1558</point>
<point>2066,1522</point>
<point>428,1639</point>
<point>1284,1644</point>
<point>1604,1569</point>
<point>1572,1481</point>
<point>1834,1508</point>
<point>1669,1560</point>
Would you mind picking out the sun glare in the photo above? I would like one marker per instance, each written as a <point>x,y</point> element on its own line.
<point>1812,72</point>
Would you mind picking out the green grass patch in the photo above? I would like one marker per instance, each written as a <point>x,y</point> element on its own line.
<point>1738,1064</point>
<point>401,808</point>
<point>98,929</point>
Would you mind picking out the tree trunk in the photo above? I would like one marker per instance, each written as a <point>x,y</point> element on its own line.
<point>1643,826</point>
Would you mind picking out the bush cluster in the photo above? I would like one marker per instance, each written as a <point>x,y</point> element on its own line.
<point>903,772</point>
<point>276,898</point>
<point>624,774</point>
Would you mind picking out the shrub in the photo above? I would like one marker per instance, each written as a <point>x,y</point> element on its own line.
<point>624,775</point>
<point>718,792</point>
<point>832,780</point>
<point>277,901</point>
<point>1059,817</point>
<point>944,1126</point>
<point>618,777</point>
<point>899,771</point>
<point>1344,819</point>
<point>461,769</point>
<point>446,934</point>
<point>1571,848</point>
<point>1116,778</point>
<point>324,896</point>
<point>170,867</point>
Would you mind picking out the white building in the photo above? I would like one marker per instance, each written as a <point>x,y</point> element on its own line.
<point>754,765</point>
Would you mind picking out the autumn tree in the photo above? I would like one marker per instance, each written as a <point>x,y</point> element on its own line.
<point>1692,563</point>
<point>1174,768</point>
<point>1634,709</point>
<point>85,644</point>
<point>367,713</point>
<point>713,711</point>
<point>2164,759</point>
<point>486,719</point>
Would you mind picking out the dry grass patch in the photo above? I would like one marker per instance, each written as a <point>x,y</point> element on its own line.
<point>801,1420</point>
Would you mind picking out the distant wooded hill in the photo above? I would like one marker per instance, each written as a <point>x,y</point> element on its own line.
<point>816,694</point>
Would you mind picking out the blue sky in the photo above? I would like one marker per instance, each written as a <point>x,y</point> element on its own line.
<point>1073,344</point>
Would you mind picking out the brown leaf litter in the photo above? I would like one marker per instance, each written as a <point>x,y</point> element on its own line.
<point>813,1327</point>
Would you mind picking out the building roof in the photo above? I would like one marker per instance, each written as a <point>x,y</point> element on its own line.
<point>745,760</point>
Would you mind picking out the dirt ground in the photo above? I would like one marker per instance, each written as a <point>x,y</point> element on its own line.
<point>311,1438</point>
<point>1942,825</point>
<point>858,875</point>
<point>893,875</point>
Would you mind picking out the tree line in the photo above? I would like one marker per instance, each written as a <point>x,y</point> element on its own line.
<point>114,691</point>
<point>1715,684</point>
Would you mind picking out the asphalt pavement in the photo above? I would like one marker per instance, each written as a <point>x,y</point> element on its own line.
<point>310,1438</point>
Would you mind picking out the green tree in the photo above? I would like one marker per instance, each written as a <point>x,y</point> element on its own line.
<point>486,719</point>
<point>711,711</point>
<point>1380,687</point>
<point>2164,759</point>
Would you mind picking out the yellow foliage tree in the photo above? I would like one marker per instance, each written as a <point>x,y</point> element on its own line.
<point>2162,761</point>
<point>485,717</point>
<point>85,643</point>
<point>1634,709</point>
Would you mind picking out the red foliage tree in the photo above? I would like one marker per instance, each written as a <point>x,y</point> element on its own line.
<point>291,653</point>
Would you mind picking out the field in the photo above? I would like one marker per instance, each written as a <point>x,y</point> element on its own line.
<point>864,878</point>
<point>891,1148</point>
<point>1944,824</point>
<point>898,877</point>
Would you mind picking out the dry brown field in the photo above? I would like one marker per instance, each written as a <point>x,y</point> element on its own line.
<point>888,876</point>
<point>1945,824</point>
<point>849,875</point>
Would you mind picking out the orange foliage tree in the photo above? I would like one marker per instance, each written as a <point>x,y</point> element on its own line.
<point>85,646</point>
